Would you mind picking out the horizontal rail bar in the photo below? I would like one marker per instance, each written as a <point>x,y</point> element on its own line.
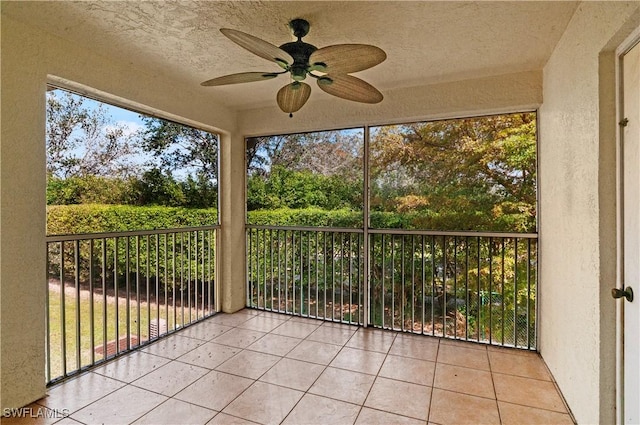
<point>471,234</point>
<point>398,231</point>
<point>307,228</point>
<point>87,236</point>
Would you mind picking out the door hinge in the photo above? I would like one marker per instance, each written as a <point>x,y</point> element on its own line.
<point>624,122</point>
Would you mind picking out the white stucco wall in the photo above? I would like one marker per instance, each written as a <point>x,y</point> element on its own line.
<point>28,56</point>
<point>578,209</point>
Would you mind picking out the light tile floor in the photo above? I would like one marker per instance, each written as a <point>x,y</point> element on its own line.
<point>261,367</point>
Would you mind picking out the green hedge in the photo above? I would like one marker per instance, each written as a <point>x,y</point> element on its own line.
<point>94,218</point>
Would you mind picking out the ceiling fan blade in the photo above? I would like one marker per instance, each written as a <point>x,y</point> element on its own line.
<point>259,47</point>
<point>345,58</point>
<point>242,77</point>
<point>350,88</point>
<point>293,96</point>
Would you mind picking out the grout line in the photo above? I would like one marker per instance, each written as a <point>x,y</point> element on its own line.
<point>433,381</point>
<point>493,383</point>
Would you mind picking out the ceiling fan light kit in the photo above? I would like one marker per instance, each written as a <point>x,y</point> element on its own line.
<point>330,66</point>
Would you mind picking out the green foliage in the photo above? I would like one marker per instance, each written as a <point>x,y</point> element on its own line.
<point>302,189</point>
<point>94,218</point>
<point>306,217</point>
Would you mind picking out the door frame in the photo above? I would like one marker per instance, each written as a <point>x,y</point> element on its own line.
<point>631,41</point>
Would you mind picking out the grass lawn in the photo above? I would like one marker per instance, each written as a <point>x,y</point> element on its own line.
<point>78,330</point>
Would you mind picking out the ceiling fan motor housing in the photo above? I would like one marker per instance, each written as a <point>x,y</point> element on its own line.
<point>300,52</point>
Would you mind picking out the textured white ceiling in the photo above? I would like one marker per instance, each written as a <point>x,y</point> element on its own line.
<point>426,42</point>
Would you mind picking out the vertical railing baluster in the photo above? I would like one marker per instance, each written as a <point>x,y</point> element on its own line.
<point>502,287</point>
<point>433,285</point>
<point>92,344</point>
<point>196,261</point>
<point>515,292</point>
<point>104,298</point>
<point>63,314</point>
<point>478,293</point>
<point>529,294</point>
<point>393,282</point>
<point>173,280</point>
<point>301,310</point>
<point>138,326</point>
<point>413,283</point>
<point>271,271</point>
<point>316,254</point>
<point>128,292</point>
<point>48,315</point>
<point>76,279</point>
<point>444,286</point>
<point>115,289</point>
<point>157,274</point>
<point>309,274</point>
<point>467,301</point>
<point>402,282</point>
<point>286,271</point>
<point>424,277</point>
<point>455,287</point>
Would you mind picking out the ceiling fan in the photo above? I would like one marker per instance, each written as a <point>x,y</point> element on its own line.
<point>330,66</point>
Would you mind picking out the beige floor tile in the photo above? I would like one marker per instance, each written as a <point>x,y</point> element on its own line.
<point>209,355</point>
<point>343,385</point>
<point>513,414</point>
<point>278,345</point>
<point>76,393</point>
<point>359,360</point>
<point>206,330</point>
<point>214,390</point>
<point>462,356</point>
<point>399,397</point>
<point>264,403</point>
<point>67,421</point>
<point>274,314</point>
<point>407,369</point>
<point>313,409</point>
<point>174,411</point>
<point>528,392</point>
<point>510,350</point>
<point>332,335</point>
<point>463,344</point>
<point>172,346</point>
<point>234,319</point>
<point>249,364</point>
<point>294,374</point>
<point>369,416</point>
<point>132,366</point>
<point>416,346</point>
<point>339,325</point>
<point>513,364</point>
<point>171,378</point>
<point>224,419</point>
<point>315,352</point>
<point>372,340</point>
<point>121,407</point>
<point>262,323</point>
<point>296,329</point>
<point>240,338</point>
<point>455,408</point>
<point>464,380</point>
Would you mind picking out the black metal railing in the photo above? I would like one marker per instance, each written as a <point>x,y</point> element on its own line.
<point>465,285</point>
<point>111,292</point>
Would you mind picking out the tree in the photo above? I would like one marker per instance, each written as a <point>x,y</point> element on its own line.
<point>83,141</point>
<point>467,174</point>
<point>181,149</point>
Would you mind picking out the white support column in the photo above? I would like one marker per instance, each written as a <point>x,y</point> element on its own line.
<point>22,226</point>
<point>232,253</point>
